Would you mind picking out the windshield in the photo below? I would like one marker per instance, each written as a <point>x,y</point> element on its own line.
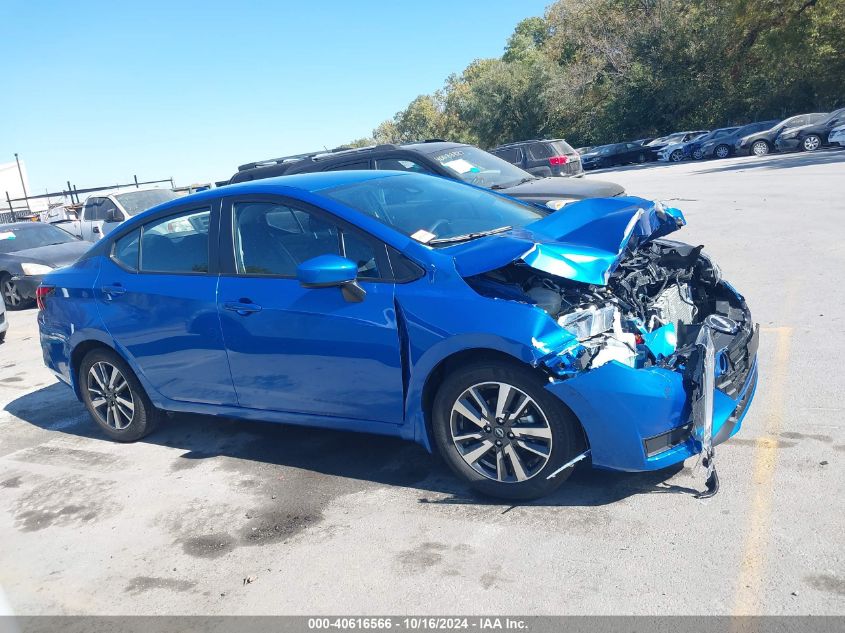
<point>430,209</point>
<point>481,168</point>
<point>15,238</point>
<point>136,201</point>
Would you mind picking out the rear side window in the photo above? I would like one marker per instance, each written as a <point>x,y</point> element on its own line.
<point>540,151</point>
<point>126,251</point>
<point>561,147</point>
<point>361,164</point>
<point>177,243</point>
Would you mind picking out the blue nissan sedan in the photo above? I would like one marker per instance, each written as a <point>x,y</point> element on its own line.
<point>513,340</point>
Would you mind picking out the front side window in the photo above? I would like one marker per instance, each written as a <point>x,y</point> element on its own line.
<point>361,164</point>
<point>433,210</point>
<point>273,239</point>
<point>177,243</point>
<point>107,206</point>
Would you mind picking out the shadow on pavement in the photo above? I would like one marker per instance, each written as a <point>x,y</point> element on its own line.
<point>373,458</point>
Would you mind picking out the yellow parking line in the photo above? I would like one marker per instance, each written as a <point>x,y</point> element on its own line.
<point>753,564</point>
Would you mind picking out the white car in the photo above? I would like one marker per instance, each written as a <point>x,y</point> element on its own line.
<point>101,213</point>
<point>837,135</point>
<point>4,324</point>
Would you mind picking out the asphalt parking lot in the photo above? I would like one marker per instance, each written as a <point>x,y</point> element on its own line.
<point>212,516</point>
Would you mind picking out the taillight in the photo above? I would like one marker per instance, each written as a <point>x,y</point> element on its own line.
<point>41,294</point>
<point>558,160</point>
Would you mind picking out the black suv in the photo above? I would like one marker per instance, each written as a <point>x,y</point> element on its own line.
<point>441,158</point>
<point>549,157</point>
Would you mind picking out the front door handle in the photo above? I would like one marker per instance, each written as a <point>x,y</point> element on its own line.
<point>244,308</point>
<point>111,292</point>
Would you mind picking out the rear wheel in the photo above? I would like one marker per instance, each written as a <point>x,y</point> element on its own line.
<point>722,151</point>
<point>499,429</point>
<point>115,398</point>
<point>760,148</point>
<point>811,143</point>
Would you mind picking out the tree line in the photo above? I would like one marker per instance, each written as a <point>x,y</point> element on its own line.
<point>609,70</point>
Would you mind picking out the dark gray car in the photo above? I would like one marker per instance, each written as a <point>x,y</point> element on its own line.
<point>440,158</point>
<point>547,157</point>
<point>28,251</point>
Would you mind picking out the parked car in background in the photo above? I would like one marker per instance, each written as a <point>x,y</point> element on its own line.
<point>676,137</point>
<point>724,146</point>
<point>4,324</point>
<point>837,136</point>
<point>551,157</point>
<point>674,152</point>
<point>762,143</point>
<point>441,158</point>
<point>28,251</point>
<point>605,156</point>
<point>643,141</point>
<point>692,149</point>
<point>101,213</point>
<point>810,136</point>
<point>512,340</point>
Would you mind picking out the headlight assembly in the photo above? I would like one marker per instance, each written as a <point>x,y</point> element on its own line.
<point>35,269</point>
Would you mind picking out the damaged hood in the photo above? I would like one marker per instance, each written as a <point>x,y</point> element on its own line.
<point>583,242</point>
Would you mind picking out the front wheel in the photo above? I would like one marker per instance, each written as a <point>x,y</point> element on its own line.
<point>760,148</point>
<point>499,429</point>
<point>11,294</point>
<point>811,143</point>
<point>115,398</point>
<point>722,151</point>
<point>677,156</point>
<point>697,154</point>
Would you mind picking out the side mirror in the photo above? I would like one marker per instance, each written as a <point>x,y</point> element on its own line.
<point>111,216</point>
<point>326,271</point>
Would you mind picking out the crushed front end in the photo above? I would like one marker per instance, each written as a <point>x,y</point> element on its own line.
<point>661,362</point>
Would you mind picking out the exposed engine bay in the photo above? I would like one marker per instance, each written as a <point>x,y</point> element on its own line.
<point>653,305</point>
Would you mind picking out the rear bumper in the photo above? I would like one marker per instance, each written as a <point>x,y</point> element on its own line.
<point>27,285</point>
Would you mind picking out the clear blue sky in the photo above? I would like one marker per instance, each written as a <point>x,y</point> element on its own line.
<point>94,92</point>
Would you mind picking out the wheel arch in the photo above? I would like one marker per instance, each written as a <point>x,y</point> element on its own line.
<point>449,363</point>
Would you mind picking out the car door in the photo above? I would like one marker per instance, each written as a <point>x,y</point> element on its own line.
<point>306,350</point>
<point>157,296</point>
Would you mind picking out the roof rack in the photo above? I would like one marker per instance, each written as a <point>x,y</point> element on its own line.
<point>276,161</point>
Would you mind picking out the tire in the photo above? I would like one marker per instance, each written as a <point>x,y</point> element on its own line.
<point>2,337</point>
<point>697,154</point>
<point>94,380</point>
<point>641,158</point>
<point>722,151</point>
<point>11,295</point>
<point>676,156</point>
<point>760,148</point>
<point>811,143</point>
<point>544,436</point>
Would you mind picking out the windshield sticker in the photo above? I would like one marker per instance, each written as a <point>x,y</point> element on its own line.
<point>460,165</point>
<point>8,235</point>
<point>423,236</point>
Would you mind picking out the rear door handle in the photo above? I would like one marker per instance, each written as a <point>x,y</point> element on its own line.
<point>113,291</point>
<point>241,307</point>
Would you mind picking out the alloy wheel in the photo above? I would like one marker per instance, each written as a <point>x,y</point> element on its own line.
<point>722,151</point>
<point>811,143</point>
<point>698,154</point>
<point>10,294</point>
<point>110,395</point>
<point>501,432</point>
<point>676,156</point>
<point>760,148</point>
